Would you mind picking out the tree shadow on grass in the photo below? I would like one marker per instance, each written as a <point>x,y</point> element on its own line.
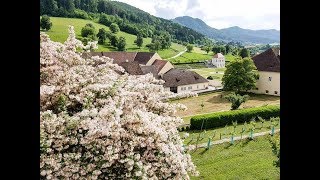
<point>244,142</point>
<point>228,145</point>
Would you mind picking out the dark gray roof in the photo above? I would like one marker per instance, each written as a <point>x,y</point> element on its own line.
<point>143,57</point>
<point>150,69</point>
<point>132,68</point>
<point>178,77</point>
<point>268,60</point>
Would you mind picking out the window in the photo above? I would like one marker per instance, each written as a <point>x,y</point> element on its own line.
<point>267,91</point>
<point>204,86</point>
<point>258,78</point>
<point>275,92</point>
<point>183,88</point>
<point>197,86</point>
<point>190,87</point>
<point>257,88</point>
<point>270,78</point>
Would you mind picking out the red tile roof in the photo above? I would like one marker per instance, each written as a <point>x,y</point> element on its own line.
<point>119,57</point>
<point>159,64</point>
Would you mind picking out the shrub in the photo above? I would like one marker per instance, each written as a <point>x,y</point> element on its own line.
<point>220,119</point>
<point>93,126</point>
<point>45,23</point>
<point>236,100</point>
<point>78,13</point>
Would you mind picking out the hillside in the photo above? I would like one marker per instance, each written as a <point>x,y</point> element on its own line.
<point>230,34</point>
<point>59,32</point>
<point>130,19</point>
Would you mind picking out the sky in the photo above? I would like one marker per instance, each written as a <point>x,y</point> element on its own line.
<point>248,14</point>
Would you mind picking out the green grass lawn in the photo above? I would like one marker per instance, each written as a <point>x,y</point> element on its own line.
<point>214,103</point>
<point>244,160</point>
<point>189,66</point>
<point>225,131</point>
<point>216,73</point>
<point>59,33</point>
<point>191,57</point>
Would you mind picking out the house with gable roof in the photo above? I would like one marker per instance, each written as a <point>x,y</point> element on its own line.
<point>140,63</point>
<point>268,65</point>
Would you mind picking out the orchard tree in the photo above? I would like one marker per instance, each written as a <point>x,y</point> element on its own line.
<point>89,31</point>
<point>114,28</point>
<point>207,49</point>
<point>114,40</point>
<point>102,35</point>
<point>139,40</point>
<point>189,47</point>
<point>121,45</point>
<point>99,122</point>
<point>240,75</point>
<point>45,23</point>
<point>236,100</point>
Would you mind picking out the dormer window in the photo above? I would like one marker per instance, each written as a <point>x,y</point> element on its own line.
<point>270,78</point>
<point>177,79</point>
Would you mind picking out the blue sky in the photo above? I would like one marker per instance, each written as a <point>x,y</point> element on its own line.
<point>249,14</point>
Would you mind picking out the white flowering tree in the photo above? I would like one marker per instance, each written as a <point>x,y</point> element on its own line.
<point>98,122</point>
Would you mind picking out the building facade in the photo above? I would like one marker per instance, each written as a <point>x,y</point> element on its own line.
<point>218,61</point>
<point>268,65</point>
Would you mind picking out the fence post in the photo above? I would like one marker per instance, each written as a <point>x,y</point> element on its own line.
<point>251,134</point>
<point>231,139</point>
<point>272,131</point>
<point>209,141</point>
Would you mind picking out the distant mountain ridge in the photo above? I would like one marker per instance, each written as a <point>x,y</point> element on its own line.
<point>234,33</point>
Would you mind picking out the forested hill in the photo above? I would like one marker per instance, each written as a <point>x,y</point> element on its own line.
<point>230,34</point>
<point>130,19</point>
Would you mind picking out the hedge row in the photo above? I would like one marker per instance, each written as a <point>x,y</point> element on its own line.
<point>221,119</point>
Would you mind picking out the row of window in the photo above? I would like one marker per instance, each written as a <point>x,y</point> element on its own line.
<point>267,91</point>
<point>190,87</point>
<point>270,78</point>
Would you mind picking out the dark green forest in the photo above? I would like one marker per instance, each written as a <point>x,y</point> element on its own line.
<point>129,19</point>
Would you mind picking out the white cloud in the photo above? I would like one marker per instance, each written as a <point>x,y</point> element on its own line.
<point>252,14</point>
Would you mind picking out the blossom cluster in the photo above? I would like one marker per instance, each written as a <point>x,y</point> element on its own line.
<point>98,122</point>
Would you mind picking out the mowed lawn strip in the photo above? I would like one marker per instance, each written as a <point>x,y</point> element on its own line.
<point>214,102</point>
<point>243,160</point>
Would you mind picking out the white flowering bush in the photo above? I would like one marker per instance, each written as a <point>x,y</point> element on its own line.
<point>98,122</point>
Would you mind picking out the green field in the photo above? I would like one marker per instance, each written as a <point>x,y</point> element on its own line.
<point>216,73</point>
<point>59,32</point>
<point>191,57</point>
<point>244,160</point>
<point>214,102</point>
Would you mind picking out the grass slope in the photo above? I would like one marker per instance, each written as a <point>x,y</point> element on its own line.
<point>191,57</point>
<point>59,32</point>
<point>214,103</point>
<point>243,160</point>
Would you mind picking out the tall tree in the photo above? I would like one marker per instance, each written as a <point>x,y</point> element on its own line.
<point>114,28</point>
<point>89,31</point>
<point>240,75</point>
<point>207,49</point>
<point>102,35</point>
<point>45,23</point>
<point>114,40</point>
<point>139,40</point>
<point>121,44</point>
<point>244,53</point>
<point>189,47</point>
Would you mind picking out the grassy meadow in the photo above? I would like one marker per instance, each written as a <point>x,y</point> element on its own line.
<point>59,33</point>
<point>246,159</point>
